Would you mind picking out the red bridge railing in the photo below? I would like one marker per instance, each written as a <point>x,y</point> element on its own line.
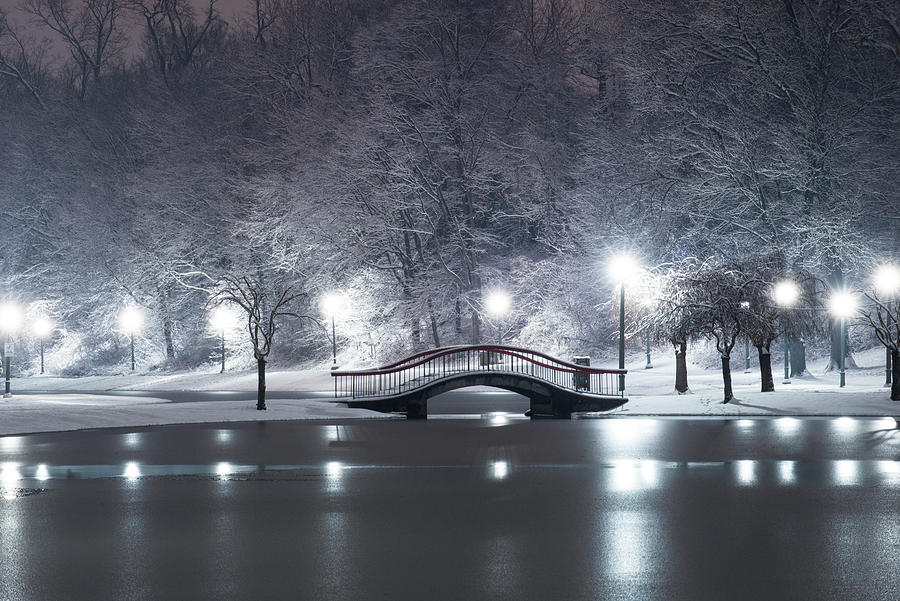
<point>424,368</point>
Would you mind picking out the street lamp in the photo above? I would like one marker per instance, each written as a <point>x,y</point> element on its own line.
<point>332,304</point>
<point>621,268</point>
<point>42,328</point>
<point>498,304</point>
<point>842,304</point>
<point>10,322</point>
<point>786,294</point>
<point>221,319</point>
<point>887,285</point>
<point>131,319</point>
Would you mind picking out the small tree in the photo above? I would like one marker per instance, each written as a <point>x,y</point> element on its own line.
<point>263,306</point>
<point>883,316</point>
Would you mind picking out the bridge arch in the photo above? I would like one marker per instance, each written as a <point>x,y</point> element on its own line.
<point>555,388</point>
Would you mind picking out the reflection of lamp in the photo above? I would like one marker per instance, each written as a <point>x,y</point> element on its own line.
<point>42,328</point>
<point>497,304</point>
<point>786,294</point>
<point>842,304</point>
<point>10,322</point>
<point>887,284</point>
<point>131,319</point>
<point>221,319</point>
<point>621,268</point>
<point>332,304</point>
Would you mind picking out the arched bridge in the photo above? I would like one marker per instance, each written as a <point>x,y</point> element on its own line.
<point>556,388</point>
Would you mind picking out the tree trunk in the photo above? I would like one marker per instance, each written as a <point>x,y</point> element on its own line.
<point>476,327</point>
<point>168,325</point>
<point>415,327</point>
<point>458,323</point>
<point>765,368</point>
<point>261,389</point>
<point>681,383</point>
<point>798,357</point>
<point>434,331</point>
<point>726,378</point>
<point>895,375</point>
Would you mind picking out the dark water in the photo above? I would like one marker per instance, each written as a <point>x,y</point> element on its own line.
<point>493,508</point>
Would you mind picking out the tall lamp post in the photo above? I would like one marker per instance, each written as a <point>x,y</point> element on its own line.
<point>10,322</point>
<point>333,304</point>
<point>842,304</point>
<point>42,328</point>
<point>131,319</point>
<point>621,268</point>
<point>221,319</point>
<point>887,285</point>
<point>498,304</point>
<point>786,294</point>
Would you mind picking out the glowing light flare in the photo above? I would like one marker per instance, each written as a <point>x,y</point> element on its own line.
<point>131,319</point>
<point>43,326</point>
<point>223,469</point>
<point>223,317</point>
<point>887,280</point>
<point>334,304</point>
<point>785,293</point>
<point>498,303</point>
<point>842,304</point>
<point>622,268</point>
<point>10,317</point>
<point>631,475</point>
<point>334,469</point>
<point>499,470</point>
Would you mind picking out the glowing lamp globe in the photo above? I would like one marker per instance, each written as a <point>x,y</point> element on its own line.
<point>131,319</point>
<point>621,268</point>
<point>842,304</point>
<point>498,303</point>
<point>786,293</point>
<point>887,280</point>
<point>42,327</point>
<point>223,318</point>
<point>10,317</point>
<point>334,304</point>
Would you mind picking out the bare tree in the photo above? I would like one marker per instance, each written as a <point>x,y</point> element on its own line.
<point>883,316</point>
<point>262,307</point>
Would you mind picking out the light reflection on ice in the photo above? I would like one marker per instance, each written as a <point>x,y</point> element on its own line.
<point>132,471</point>
<point>498,419</point>
<point>132,439</point>
<point>788,425</point>
<point>746,472</point>
<point>9,476</point>
<point>223,468</point>
<point>846,472</point>
<point>10,444</point>
<point>499,470</point>
<point>630,431</point>
<point>746,424</point>
<point>633,475</point>
<point>42,473</point>
<point>223,436</point>
<point>845,425</point>
<point>786,472</point>
<point>890,471</point>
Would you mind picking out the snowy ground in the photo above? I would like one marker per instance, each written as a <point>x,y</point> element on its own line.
<point>92,402</point>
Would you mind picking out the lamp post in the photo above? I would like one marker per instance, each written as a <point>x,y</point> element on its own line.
<point>131,319</point>
<point>10,322</point>
<point>497,304</point>
<point>331,304</point>
<point>42,327</point>
<point>887,284</point>
<point>786,294</point>
<point>221,319</point>
<point>621,268</point>
<point>842,304</point>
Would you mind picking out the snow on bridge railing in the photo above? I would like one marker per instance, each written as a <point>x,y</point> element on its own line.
<point>424,368</point>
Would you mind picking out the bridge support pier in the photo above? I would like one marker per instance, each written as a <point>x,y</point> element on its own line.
<point>550,407</point>
<point>417,408</point>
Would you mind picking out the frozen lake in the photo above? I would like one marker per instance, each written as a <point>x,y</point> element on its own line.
<point>494,508</point>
